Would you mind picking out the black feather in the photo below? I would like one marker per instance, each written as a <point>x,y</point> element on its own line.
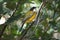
<point>32,8</point>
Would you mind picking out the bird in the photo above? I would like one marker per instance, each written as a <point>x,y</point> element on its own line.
<point>30,15</point>
<point>29,18</point>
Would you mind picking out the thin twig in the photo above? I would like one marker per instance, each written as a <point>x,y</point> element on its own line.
<point>24,32</point>
<point>1,32</point>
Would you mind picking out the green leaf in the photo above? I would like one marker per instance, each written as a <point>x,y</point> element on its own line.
<point>1,0</point>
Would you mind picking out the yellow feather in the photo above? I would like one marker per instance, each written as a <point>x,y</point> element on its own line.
<point>32,18</point>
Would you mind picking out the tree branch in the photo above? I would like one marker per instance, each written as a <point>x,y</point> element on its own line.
<point>5,25</point>
<point>1,32</point>
<point>24,32</point>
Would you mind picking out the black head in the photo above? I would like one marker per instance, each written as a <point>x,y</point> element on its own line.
<point>32,8</point>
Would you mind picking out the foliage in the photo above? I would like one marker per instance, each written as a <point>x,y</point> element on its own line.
<point>47,23</point>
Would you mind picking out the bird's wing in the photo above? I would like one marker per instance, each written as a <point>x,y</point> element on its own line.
<point>28,15</point>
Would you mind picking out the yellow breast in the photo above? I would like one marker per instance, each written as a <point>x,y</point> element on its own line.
<point>32,18</point>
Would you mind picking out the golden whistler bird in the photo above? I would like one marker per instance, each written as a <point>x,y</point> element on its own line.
<point>30,15</point>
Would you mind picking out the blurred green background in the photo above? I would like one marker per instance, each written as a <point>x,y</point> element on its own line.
<point>47,29</point>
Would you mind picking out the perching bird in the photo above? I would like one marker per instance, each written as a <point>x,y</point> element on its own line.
<point>29,17</point>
